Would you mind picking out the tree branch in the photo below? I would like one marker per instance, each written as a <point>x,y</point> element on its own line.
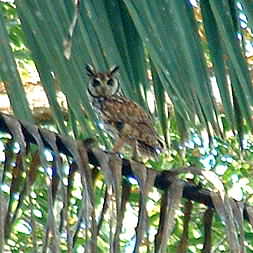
<point>162,181</point>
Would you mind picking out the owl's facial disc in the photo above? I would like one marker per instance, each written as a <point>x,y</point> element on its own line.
<point>110,82</point>
<point>102,84</point>
<point>95,83</point>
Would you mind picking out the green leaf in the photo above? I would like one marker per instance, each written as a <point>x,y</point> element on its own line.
<point>10,76</point>
<point>243,88</point>
<point>217,55</point>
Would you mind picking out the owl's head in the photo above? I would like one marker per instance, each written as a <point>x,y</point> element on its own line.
<point>102,84</point>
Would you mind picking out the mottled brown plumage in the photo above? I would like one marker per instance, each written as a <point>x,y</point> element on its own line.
<point>125,119</point>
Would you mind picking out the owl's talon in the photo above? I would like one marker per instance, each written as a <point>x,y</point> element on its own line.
<point>138,161</point>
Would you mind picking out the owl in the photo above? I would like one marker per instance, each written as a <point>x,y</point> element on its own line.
<point>125,119</point>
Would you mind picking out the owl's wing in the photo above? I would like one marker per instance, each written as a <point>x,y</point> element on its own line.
<point>121,109</point>
<point>126,110</point>
<point>137,125</point>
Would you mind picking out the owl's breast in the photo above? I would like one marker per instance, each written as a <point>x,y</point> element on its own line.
<point>119,112</point>
<point>106,110</point>
<point>98,103</point>
<point>123,117</point>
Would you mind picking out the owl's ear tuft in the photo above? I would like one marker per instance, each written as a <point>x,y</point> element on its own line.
<point>114,69</point>
<point>90,70</point>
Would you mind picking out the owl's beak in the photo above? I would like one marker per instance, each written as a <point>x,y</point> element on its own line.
<point>104,90</point>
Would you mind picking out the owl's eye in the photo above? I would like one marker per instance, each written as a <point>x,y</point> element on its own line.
<point>95,83</point>
<point>110,82</point>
